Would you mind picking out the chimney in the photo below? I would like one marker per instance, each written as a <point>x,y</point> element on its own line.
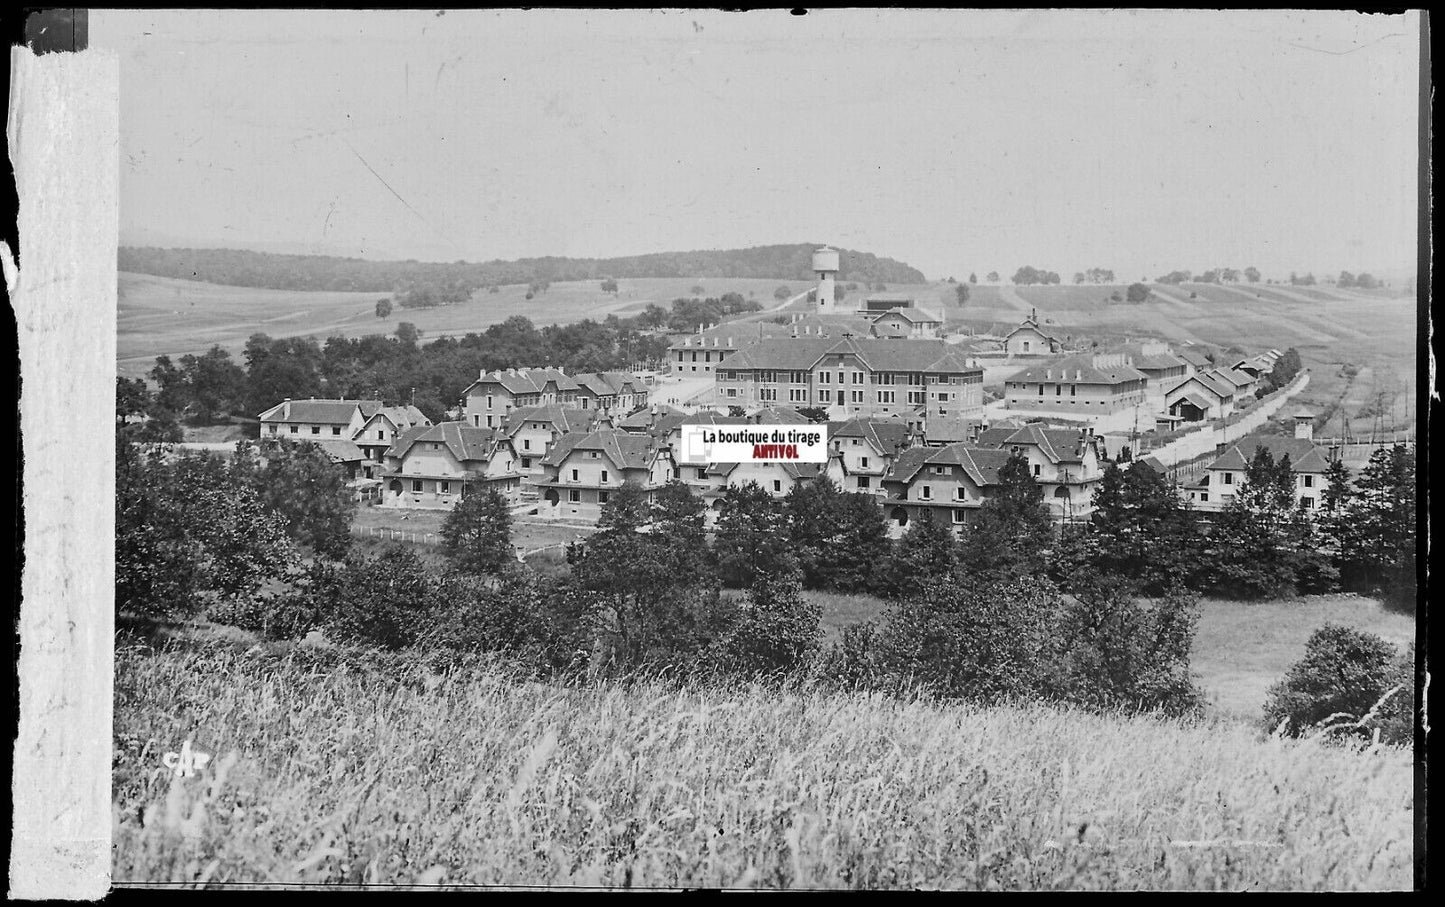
<point>699,327</point>
<point>730,342</point>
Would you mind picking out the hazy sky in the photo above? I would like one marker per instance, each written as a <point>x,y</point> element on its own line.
<point>956,141</point>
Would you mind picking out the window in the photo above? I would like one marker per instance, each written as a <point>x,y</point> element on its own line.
<point>857,396</point>
<point>1041,390</point>
<point>316,429</point>
<point>863,482</point>
<point>1027,345</point>
<point>799,377</point>
<point>926,493</point>
<point>1307,503</point>
<point>436,446</point>
<point>295,428</point>
<point>489,401</point>
<point>943,398</point>
<point>1204,496</point>
<point>446,488</point>
<point>526,462</point>
<point>677,472</point>
<point>574,475</point>
<point>602,497</point>
<point>335,430</point>
<point>940,470</point>
<point>701,473</point>
<point>526,443</point>
<point>885,396</point>
<point>1229,478</point>
<point>573,495</point>
<point>1073,390</point>
<point>1309,482</point>
<point>1058,390</point>
<point>958,494</point>
<point>797,395</point>
<point>732,392</point>
<point>594,454</point>
<point>857,377</point>
<point>604,475</point>
<point>825,396</point>
<point>957,515</point>
<point>416,484</point>
<point>863,462</point>
<point>822,377</point>
<point>777,485</point>
<point>1037,470</point>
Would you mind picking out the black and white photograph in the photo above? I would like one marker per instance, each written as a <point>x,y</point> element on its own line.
<point>690,449</point>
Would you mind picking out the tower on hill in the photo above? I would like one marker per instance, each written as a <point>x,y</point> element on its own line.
<point>825,265</point>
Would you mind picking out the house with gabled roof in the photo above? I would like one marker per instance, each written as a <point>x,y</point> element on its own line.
<point>317,419</point>
<point>1225,475</point>
<point>1028,339</point>
<point>946,484</point>
<point>619,392</point>
<point>1200,397</point>
<point>494,394</point>
<point>864,449</point>
<point>381,430</point>
<point>1161,366</point>
<point>433,466</point>
<point>907,321</point>
<point>852,377</point>
<point>534,429</point>
<point>659,418</point>
<point>1067,464</point>
<point>584,469</point>
<point>777,479</point>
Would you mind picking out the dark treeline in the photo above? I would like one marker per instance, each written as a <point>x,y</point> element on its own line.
<point>400,368</point>
<point>451,281</point>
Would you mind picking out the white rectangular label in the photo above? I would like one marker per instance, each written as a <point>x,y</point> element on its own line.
<point>755,443</point>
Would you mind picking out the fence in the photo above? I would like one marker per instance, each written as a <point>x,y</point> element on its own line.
<point>1195,445</point>
<point>385,534</point>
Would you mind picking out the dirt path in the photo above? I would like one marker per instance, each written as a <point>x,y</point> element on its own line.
<point>1009,295</point>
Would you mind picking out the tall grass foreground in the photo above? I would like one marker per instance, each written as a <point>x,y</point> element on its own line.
<point>348,769</point>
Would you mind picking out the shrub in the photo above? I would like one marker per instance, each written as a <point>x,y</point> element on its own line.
<point>777,629</point>
<point>1396,717</point>
<point>388,601</point>
<point>1344,672</point>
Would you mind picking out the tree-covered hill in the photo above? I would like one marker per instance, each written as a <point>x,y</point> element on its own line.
<point>315,272</point>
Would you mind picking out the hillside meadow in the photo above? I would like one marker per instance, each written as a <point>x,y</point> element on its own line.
<point>384,772</point>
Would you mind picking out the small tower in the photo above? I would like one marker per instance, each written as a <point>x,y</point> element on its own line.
<point>1304,425</point>
<point>825,265</point>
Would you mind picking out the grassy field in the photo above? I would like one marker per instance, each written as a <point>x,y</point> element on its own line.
<point>1241,647</point>
<point>526,534</point>
<point>161,315</point>
<point>371,775</point>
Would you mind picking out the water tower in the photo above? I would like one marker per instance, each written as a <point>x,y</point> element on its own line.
<point>825,265</point>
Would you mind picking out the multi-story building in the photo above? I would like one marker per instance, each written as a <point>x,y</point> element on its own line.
<point>434,466</point>
<point>701,353</point>
<point>381,430</point>
<point>1161,366</point>
<point>1078,387</point>
<point>584,469</point>
<point>1225,476</point>
<point>534,429</point>
<point>494,394</point>
<point>945,484</point>
<point>1067,464</point>
<point>853,377</point>
<point>907,322</point>
<point>316,420</point>
<point>618,392</point>
<point>864,450</point>
<point>1200,397</point>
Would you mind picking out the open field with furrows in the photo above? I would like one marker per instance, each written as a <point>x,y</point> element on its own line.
<point>1241,647</point>
<point>163,316</point>
<point>382,772</point>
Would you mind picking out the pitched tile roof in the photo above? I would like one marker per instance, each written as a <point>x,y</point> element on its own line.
<point>626,450</point>
<point>740,332</point>
<point>666,420</point>
<point>886,435</point>
<point>341,450</point>
<point>1079,370</point>
<point>1221,389</point>
<point>563,418</point>
<point>911,314</point>
<point>463,441</point>
<point>606,384</point>
<point>878,354</point>
<point>1304,454</point>
<point>330,412</point>
<point>979,463</point>
<point>525,380</point>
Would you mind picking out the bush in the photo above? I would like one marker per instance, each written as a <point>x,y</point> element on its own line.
<point>776,629</point>
<point>388,601</point>
<point>1342,676</point>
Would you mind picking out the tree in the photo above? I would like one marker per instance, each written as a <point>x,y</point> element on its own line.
<point>1013,530</point>
<point>837,536</point>
<point>214,384</point>
<point>993,277</point>
<point>477,533</point>
<point>1141,530</point>
<point>609,285</point>
<point>300,484</point>
<point>383,308</point>
<point>972,278</point>
<point>1251,274</point>
<point>407,333</point>
<point>750,537</point>
<point>1343,675</point>
<point>1385,524</point>
<point>1346,280</point>
<point>1367,282</point>
<point>1079,277</point>
<point>1137,292</point>
<point>926,552</point>
<point>131,397</point>
<point>961,292</point>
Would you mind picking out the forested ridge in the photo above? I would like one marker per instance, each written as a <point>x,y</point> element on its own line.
<point>236,267</point>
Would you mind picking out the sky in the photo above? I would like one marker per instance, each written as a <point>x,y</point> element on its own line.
<point>956,141</point>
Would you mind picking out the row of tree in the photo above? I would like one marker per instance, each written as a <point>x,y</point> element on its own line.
<point>416,279</point>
